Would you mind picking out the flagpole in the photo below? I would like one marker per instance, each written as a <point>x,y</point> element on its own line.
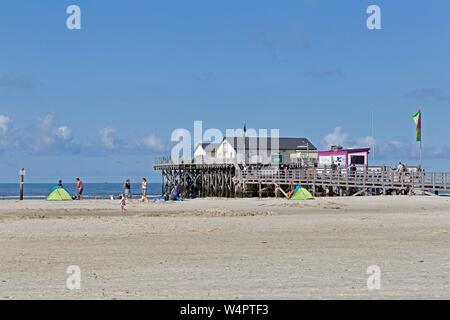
<point>418,120</point>
<point>420,142</point>
<point>373,143</point>
<point>420,153</point>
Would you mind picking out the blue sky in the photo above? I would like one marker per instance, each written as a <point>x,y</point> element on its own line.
<point>102,102</point>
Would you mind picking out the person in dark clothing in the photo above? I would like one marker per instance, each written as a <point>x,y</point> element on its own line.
<point>333,167</point>
<point>127,187</point>
<point>353,170</point>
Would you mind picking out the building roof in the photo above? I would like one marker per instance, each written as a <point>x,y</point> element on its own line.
<point>208,146</point>
<point>265,143</point>
<point>343,151</point>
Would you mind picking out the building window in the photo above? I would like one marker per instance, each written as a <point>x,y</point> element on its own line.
<point>357,160</point>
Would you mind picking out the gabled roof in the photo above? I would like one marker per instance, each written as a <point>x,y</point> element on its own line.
<point>208,146</point>
<point>265,143</point>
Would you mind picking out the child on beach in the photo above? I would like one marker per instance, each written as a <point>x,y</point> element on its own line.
<point>123,203</point>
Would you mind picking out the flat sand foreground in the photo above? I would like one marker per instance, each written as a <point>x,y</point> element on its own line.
<point>227,248</point>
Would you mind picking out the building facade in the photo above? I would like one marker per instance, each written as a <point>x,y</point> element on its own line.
<point>344,158</point>
<point>257,150</point>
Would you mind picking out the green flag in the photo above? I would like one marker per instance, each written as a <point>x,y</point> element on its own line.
<point>418,120</point>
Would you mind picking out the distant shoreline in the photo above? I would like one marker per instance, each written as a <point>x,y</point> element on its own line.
<point>91,190</point>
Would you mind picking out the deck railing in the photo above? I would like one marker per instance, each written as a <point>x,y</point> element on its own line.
<point>360,179</point>
<point>383,178</point>
<point>161,161</point>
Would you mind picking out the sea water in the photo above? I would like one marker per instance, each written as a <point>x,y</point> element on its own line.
<point>91,190</point>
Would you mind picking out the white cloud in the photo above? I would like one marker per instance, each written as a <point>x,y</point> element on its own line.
<point>365,142</point>
<point>47,137</point>
<point>64,133</point>
<point>152,142</point>
<point>4,124</point>
<point>107,137</point>
<point>337,137</point>
<point>393,149</point>
<point>46,122</point>
<point>410,149</point>
<point>41,138</point>
<point>111,141</point>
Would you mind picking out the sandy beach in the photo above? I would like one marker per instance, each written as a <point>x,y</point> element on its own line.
<point>227,248</point>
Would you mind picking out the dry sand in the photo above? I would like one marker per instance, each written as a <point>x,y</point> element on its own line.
<point>227,248</point>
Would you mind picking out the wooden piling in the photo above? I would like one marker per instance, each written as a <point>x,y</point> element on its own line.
<point>229,180</point>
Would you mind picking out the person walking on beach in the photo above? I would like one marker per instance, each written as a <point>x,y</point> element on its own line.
<point>60,184</point>
<point>80,188</point>
<point>127,187</point>
<point>144,190</point>
<point>123,203</point>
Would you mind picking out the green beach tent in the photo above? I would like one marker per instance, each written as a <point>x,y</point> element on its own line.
<point>59,194</point>
<point>301,193</point>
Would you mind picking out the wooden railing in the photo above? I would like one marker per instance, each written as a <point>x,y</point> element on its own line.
<point>359,179</point>
<point>383,178</point>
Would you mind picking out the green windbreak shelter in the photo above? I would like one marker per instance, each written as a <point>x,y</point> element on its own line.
<point>59,194</point>
<point>301,193</point>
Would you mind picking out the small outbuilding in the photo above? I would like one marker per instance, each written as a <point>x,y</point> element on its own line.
<point>344,157</point>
